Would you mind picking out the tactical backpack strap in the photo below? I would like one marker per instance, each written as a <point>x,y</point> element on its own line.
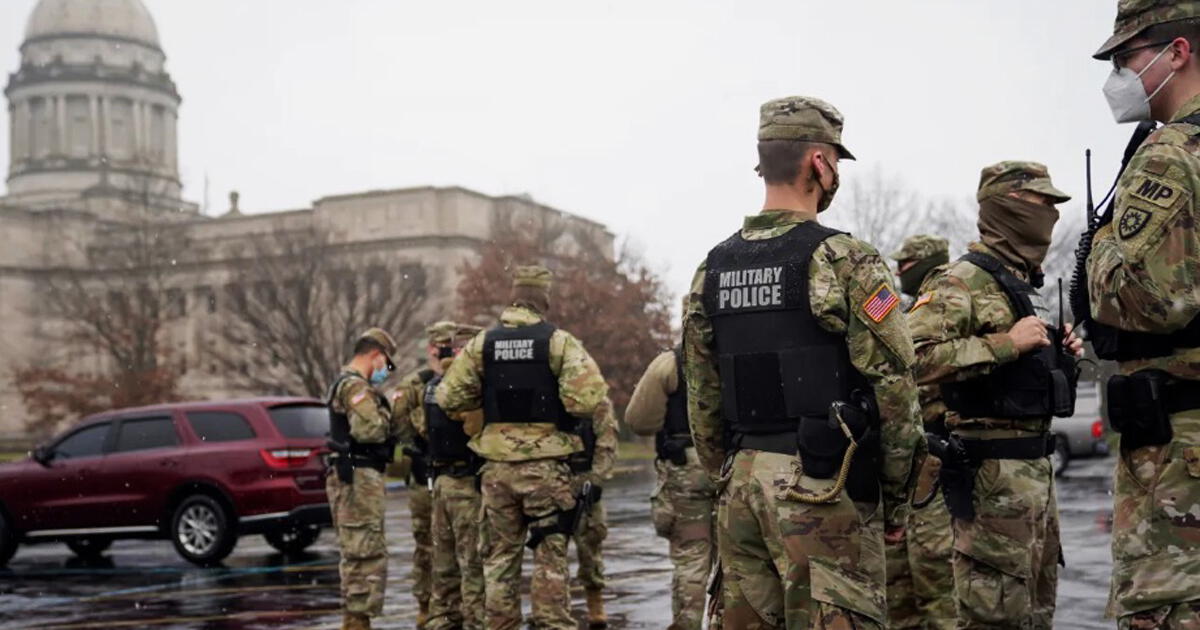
<point>1017,290</point>
<point>333,389</point>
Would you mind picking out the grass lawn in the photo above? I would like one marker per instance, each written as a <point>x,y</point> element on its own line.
<point>9,457</point>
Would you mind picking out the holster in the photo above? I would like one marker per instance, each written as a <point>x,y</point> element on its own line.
<point>672,449</point>
<point>567,521</point>
<point>821,442</point>
<point>1139,407</point>
<point>345,468</point>
<point>957,475</point>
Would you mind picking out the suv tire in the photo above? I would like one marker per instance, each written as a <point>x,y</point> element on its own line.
<point>202,530</point>
<point>293,540</point>
<point>89,548</point>
<point>8,540</point>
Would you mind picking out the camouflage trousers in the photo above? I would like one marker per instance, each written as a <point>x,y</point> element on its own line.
<point>920,576</point>
<point>457,597</point>
<point>1006,560</point>
<point>420,506</point>
<point>796,565</point>
<point>1156,530</point>
<point>683,508</point>
<point>589,544</point>
<point>358,518</point>
<point>517,495</point>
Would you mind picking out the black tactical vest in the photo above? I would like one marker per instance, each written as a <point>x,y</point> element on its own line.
<point>339,424</point>
<point>518,384</point>
<point>447,440</point>
<point>676,422</point>
<point>777,364</point>
<point>1038,385</point>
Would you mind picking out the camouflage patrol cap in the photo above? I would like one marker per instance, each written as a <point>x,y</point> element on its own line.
<point>466,332</point>
<point>441,333</point>
<point>535,276</point>
<point>381,338</point>
<point>920,247</point>
<point>1008,176</point>
<point>802,118</point>
<point>1135,16</point>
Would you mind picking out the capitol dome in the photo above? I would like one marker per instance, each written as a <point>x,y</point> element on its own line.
<point>124,19</point>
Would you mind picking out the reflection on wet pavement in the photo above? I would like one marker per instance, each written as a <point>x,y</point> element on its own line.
<point>145,585</point>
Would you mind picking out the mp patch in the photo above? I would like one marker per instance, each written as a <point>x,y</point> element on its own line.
<point>1156,192</point>
<point>882,302</point>
<point>1133,220</point>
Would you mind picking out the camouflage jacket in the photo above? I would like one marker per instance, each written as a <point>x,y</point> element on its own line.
<point>604,423</point>
<point>933,408</point>
<point>370,422</point>
<point>580,385</point>
<point>647,410</point>
<point>844,273</point>
<point>961,332</point>
<point>408,405</point>
<point>1144,269</point>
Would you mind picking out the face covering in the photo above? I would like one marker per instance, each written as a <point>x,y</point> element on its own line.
<point>379,376</point>
<point>445,352</point>
<point>1017,230</point>
<point>911,278</point>
<point>827,194</point>
<point>1127,97</point>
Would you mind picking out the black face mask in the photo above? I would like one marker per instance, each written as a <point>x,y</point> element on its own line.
<point>911,278</point>
<point>445,352</point>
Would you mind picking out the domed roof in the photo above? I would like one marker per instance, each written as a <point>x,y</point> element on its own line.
<point>128,19</point>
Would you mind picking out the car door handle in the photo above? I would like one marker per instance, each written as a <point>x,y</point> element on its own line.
<point>168,463</point>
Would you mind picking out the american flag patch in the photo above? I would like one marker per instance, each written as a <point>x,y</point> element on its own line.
<point>880,303</point>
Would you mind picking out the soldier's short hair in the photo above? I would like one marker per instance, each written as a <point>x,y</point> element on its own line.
<point>1188,29</point>
<point>779,160</point>
<point>366,345</point>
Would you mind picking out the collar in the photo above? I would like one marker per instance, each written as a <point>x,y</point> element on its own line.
<point>514,316</point>
<point>774,218</point>
<point>1190,107</point>
<point>984,249</point>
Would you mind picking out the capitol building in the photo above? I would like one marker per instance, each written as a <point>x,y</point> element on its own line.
<point>93,156</point>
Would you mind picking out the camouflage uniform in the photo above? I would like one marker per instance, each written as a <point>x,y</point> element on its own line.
<point>920,580</point>
<point>526,476</point>
<point>1143,272</point>
<point>358,507</point>
<point>420,504</point>
<point>1005,561</point>
<point>456,589</point>
<point>593,528</point>
<point>683,504</point>
<point>792,564</point>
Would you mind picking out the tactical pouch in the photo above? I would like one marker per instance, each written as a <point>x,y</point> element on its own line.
<point>345,469</point>
<point>957,475</point>
<point>1138,408</point>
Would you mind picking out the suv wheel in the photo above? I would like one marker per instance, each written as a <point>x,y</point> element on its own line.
<point>89,548</point>
<point>1060,457</point>
<point>293,540</point>
<point>202,530</point>
<point>8,541</point>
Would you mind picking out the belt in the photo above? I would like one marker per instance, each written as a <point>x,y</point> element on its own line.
<point>1181,395</point>
<point>782,443</point>
<point>358,461</point>
<point>1035,447</point>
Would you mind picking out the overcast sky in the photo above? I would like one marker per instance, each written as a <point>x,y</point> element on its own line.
<point>641,115</point>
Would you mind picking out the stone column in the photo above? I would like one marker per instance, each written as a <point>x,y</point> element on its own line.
<point>105,126</point>
<point>60,113</point>
<point>94,112</point>
<point>136,110</point>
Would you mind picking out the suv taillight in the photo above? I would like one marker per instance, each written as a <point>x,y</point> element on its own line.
<point>1098,429</point>
<point>286,457</point>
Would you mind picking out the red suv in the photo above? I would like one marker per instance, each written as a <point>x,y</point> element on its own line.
<point>200,474</point>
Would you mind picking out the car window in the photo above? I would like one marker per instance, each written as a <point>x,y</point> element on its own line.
<point>146,433</point>
<point>301,421</point>
<point>220,426</point>
<point>87,442</point>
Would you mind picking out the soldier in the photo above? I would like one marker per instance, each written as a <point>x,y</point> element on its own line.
<point>683,505</point>
<point>456,599</point>
<point>920,583</point>
<point>1144,276</point>
<point>595,467</point>
<point>1004,373</point>
<point>420,496</point>
<point>531,386</point>
<point>362,439</point>
<point>800,396</point>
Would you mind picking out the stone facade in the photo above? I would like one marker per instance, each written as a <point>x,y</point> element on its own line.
<point>93,152</point>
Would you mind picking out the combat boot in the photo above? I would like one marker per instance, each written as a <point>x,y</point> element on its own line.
<point>422,614</point>
<point>356,621</point>
<point>596,617</point>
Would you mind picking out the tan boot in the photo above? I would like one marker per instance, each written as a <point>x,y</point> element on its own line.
<point>356,621</point>
<point>596,617</point>
<point>422,614</point>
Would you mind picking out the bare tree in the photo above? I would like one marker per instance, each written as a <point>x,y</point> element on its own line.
<point>302,304</point>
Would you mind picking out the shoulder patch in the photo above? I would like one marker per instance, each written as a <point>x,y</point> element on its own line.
<point>881,302</point>
<point>1155,191</point>
<point>1133,220</point>
<point>924,299</point>
<point>358,397</point>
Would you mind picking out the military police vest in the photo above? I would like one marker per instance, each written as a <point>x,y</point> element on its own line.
<point>1039,384</point>
<point>777,364</point>
<point>447,439</point>
<point>518,384</point>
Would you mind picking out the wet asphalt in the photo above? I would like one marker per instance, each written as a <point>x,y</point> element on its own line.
<point>143,584</point>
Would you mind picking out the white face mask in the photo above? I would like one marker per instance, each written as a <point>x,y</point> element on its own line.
<point>1127,97</point>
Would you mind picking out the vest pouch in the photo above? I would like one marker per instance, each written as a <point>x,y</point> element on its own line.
<point>1062,398</point>
<point>1137,408</point>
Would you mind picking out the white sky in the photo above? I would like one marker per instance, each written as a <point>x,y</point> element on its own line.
<point>641,115</point>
